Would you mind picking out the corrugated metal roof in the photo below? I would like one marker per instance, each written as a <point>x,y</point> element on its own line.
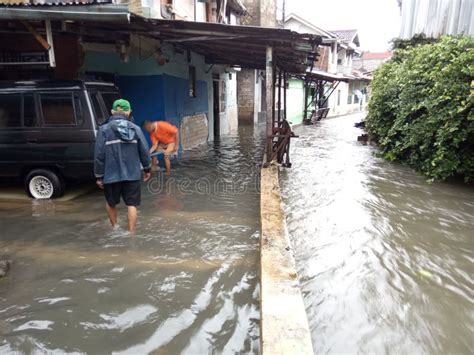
<point>52,2</point>
<point>243,46</point>
<point>437,17</point>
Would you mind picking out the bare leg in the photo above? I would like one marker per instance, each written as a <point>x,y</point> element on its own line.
<point>167,164</point>
<point>112,212</point>
<point>154,161</point>
<point>132,218</point>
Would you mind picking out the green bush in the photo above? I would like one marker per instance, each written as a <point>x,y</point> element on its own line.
<point>420,109</point>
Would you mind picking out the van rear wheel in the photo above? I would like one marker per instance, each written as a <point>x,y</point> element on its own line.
<point>44,184</point>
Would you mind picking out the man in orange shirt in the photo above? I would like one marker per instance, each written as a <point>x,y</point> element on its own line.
<point>165,138</point>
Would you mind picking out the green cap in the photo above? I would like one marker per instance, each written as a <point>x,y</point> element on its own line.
<point>123,104</point>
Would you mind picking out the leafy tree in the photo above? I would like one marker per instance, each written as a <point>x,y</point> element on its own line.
<point>420,110</point>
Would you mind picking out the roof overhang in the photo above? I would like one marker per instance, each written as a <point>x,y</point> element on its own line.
<point>325,76</point>
<point>323,33</point>
<point>243,46</point>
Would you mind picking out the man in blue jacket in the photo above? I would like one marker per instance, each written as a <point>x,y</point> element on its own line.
<point>120,148</point>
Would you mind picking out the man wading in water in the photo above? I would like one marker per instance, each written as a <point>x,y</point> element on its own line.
<point>119,149</point>
<point>165,138</point>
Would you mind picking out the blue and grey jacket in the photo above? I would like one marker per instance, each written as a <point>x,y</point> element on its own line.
<point>120,147</point>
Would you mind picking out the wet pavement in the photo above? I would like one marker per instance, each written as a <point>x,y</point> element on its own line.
<point>385,258</point>
<point>187,281</point>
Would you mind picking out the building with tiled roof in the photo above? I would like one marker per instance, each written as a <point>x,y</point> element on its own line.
<point>370,61</point>
<point>348,36</point>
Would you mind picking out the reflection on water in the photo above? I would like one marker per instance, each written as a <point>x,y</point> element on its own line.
<point>386,259</point>
<point>186,282</point>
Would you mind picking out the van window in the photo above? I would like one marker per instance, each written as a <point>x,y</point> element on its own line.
<point>109,98</point>
<point>10,110</point>
<point>99,114</point>
<point>78,109</point>
<point>29,111</point>
<point>58,109</point>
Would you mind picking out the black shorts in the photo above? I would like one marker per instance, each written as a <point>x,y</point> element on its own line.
<point>129,190</point>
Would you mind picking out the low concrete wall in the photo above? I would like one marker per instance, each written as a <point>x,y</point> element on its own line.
<point>284,325</point>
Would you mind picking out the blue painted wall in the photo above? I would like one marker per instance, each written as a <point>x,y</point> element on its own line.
<point>177,101</point>
<point>145,94</point>
<point>162,97</point>
<point>156,92</point>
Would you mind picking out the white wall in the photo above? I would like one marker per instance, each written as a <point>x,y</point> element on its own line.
<point>231,121</point>
<point>229,118</point>
<point>344,107</point>
<point>257,102</point>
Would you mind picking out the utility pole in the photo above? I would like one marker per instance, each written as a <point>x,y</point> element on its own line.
<point>195,10</point>
<point>283,10</point>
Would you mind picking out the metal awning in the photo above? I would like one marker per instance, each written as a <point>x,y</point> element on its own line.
<point>243,46</point>
<point>322,75</point>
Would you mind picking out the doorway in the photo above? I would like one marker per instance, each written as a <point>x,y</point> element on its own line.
<point>217,120</point>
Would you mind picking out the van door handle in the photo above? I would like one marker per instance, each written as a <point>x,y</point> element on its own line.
<point>32,140</point>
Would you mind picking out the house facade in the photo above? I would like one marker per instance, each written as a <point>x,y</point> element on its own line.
<point>336,58</point>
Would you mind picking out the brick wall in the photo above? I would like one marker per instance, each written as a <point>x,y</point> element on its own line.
<point>246,94</point>
<point>323,60</point>
<point>260,13</point>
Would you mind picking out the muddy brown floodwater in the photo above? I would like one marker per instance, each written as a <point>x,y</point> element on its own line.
<point>185,283</point>
<point>385,259</point>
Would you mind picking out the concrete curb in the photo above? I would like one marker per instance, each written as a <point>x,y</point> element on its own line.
<point>284,325</point>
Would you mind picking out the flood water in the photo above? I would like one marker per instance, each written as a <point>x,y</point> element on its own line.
<point>187,281</point>
<point>385,259</point>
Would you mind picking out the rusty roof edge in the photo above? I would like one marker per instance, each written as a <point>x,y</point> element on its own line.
<point>99,13</point>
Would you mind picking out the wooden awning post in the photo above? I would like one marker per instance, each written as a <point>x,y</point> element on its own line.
<point>269,99</point>
<point>274,77</point>
<point>285,83</point>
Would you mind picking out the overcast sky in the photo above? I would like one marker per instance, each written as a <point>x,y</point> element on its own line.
<point>378,21</point>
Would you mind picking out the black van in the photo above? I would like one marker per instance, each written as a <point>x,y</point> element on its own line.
<point>48,130</point>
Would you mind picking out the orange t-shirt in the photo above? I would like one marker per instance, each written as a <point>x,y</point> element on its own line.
<point>164,133</point>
